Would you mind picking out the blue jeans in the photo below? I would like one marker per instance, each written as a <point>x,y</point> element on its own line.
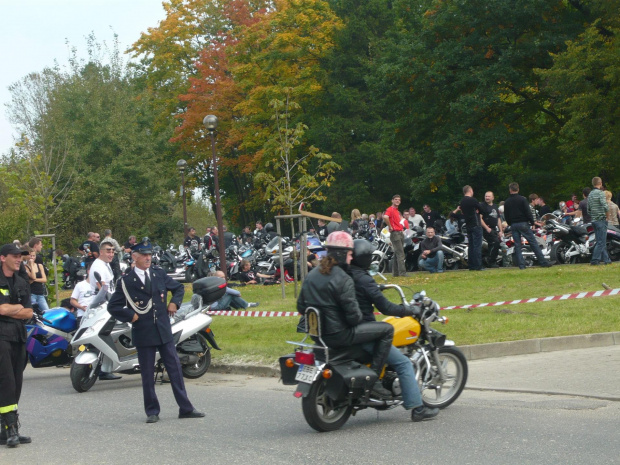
<point>229,300</point>
<point>406,376</point>
<point>600,248</point>
<point>432,264</point>
<point>474,257</point>
<point>523,229</point>
<point>39,299</point>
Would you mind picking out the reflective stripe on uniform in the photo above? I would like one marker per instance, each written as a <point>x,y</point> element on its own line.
<point>7,409</point>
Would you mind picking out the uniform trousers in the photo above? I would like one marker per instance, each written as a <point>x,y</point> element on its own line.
<point>168,353</point>
<point>12,363</point>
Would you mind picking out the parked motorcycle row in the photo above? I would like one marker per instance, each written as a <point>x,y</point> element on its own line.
<point>560,244</point>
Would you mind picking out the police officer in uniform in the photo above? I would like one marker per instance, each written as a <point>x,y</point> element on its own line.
<point>15,310</point>
<point>140,298</point>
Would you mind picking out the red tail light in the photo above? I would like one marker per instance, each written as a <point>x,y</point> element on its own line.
<point>304,358</point>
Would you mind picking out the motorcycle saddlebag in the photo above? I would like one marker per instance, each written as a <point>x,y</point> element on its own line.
<point>210,289</point>
<point>288,374</point>
<point>354,374</point>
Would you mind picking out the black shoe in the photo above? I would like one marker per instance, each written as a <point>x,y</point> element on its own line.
<point>546,265</point>
<point>4,436</point>
<point>493,265</point>
<point>593,263</point>
<point>522,268</point>
<point>108,376</point>
<point>423,413</point>
<point>192,414</point>
<point>152,419</point>
<point>379,391</point>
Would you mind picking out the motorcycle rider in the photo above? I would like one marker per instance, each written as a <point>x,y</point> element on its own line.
<point>368,295</point>
<point>329,288</point>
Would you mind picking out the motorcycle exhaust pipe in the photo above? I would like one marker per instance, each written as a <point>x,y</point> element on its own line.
<point>383,403</point>
<point>189,359</point>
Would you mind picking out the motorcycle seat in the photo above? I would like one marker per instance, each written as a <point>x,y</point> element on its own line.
<point>341,355</point>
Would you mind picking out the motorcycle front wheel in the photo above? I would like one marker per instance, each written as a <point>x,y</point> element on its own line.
<point>80,377</point>
<point>440,393</point>
<point>204,362</point>
<point>321,412</point>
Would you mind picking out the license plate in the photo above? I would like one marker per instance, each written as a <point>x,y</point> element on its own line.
<point>306,373</point>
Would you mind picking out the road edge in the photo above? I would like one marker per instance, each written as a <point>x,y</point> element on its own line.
<point>471,352</point>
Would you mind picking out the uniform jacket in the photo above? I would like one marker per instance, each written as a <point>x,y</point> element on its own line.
<point>334,296</point>
<point>12,329</point>
<point>152,328</point>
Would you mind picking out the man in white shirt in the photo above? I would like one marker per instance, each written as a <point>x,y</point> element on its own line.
<point>82,295</point>
<point>102,266</point>
<point>415,219</point>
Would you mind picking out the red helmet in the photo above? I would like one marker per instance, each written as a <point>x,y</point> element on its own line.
<point>339,240</point>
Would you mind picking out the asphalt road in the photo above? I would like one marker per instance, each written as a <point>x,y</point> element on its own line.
<point>257,421</point>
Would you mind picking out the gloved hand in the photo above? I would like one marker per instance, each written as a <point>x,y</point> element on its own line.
<point>411,310</point>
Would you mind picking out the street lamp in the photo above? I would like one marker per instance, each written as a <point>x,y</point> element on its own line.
<point>210,122</point>
<point>181,166</point>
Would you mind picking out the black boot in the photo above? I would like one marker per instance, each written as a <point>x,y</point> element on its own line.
<point>10,429</point>
<point>3,432</point>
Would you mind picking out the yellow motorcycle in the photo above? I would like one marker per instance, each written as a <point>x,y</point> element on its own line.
<point>334,384</point>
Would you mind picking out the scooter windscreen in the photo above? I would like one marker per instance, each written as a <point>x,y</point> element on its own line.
<point>100,298</point>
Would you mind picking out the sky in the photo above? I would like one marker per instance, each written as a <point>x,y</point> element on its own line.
<point>34,33</point>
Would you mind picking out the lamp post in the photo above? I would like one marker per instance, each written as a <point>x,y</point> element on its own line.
<point>210,122</point>
<point>181,165</point>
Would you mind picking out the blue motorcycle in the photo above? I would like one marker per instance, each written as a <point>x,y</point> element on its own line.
<point>49,335</point>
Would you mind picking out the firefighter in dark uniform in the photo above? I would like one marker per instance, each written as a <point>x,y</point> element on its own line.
<point>15,310</point>
<point>140,298</point>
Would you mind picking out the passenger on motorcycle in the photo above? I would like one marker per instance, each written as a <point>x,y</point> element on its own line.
<point>331,290</point>
<point>369,296</point>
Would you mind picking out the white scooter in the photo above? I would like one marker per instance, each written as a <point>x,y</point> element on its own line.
<point>101,334</point>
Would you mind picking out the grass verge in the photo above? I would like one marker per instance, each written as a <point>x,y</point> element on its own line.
<point>262,340</point>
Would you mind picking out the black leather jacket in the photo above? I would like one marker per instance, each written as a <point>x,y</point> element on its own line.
<point>368,294</point>
<point>334,296</point>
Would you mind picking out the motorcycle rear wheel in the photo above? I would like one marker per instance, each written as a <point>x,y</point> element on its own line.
<point>204,362</point>
<point>558,254</point>
<point>440,394</point>
<point>320,412</point>
<point>80,377</point>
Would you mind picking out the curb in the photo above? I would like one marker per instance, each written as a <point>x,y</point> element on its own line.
<point>534,346</point>
<point>471,352</point>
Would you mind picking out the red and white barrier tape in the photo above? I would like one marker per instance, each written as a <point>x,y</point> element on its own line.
<point>577,295</point>
<point>250,313</point>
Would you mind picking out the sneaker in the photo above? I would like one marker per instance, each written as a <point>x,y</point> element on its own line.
<point>546,265</point>
<point>379,391</point>
<point>423,413</point>
<point>252,304</point>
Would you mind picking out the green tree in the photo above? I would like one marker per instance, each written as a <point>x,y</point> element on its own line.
<point>459,92</point>
<point>584,90</point>
<point>292,178</point>
<point>124,180</point>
